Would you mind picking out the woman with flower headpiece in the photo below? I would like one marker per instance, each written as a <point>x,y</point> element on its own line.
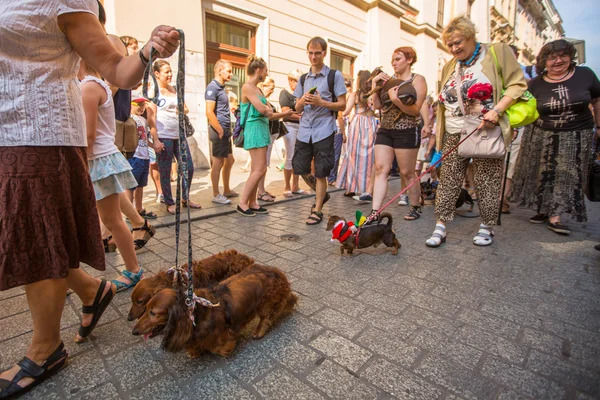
<point>472,87</point>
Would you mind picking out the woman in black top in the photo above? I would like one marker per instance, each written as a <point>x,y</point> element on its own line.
<point>553,168</point>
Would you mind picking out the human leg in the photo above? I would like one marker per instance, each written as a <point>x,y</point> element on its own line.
<point>258,168</point>
<point>215,173</point>
<point>226,171</point>
<point>384,156</point>
<point>164,160</point>
<point>337,147</point>
<point>324,156</point>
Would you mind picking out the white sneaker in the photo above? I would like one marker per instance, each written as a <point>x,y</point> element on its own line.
<point>220,199</point>
<point>403,200</point>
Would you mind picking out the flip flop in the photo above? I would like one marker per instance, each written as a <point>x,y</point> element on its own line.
<point>192,206</point>
<point>299,191</point>
<point>288,194</point>
<point>97,309</point>
<point>29,369</point>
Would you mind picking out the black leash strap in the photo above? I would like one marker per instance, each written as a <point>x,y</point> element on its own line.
<point>182,159</point>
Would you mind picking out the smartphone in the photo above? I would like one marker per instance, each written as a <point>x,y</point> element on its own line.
<point>313,90</point>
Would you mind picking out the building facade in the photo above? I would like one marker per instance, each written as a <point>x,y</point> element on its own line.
<point>361,34</point>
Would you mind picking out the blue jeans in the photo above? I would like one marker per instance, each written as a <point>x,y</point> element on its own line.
<point>338,140</point>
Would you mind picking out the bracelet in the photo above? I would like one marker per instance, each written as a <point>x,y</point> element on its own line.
<point>144,60</point>
<point>497,111</point>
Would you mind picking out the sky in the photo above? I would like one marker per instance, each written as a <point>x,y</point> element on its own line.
<point>580,21</point>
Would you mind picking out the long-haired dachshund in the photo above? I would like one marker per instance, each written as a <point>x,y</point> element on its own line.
<point>258,291</point>
<point>208,271</point>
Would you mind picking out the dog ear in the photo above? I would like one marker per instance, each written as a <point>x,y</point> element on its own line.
<point>179,326</point>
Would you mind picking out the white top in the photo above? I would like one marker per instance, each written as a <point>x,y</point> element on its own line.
<point>40,100</point>
<point>106,126</point>
<point>167,120</point>
<point>141,150</point>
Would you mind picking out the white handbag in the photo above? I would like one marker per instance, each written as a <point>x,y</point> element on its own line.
<point>485,143</point>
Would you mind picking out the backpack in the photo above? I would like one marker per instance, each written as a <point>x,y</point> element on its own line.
<point>330,83</point>
<point>529,70</point>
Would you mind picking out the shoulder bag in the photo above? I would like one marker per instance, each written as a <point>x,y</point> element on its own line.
<point>238,131</point>
<point>524,111</point>
<point>486,143</point>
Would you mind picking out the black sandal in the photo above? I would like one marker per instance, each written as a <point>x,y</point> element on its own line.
<point>148,214</point>
<point>316,217</point>
<point>97,308</point>
<point>29,369</point>
<point>325,200</point>
<point>414,213</point>
<point>150,231</point>
<point>109,247</point>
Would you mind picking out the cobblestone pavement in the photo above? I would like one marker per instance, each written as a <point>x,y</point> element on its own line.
<point>519,319</point>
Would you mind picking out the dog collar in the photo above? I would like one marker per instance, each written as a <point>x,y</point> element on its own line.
<point>342,230</point>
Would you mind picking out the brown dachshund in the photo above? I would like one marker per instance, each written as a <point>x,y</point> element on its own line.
<point>258,291</point>
<point>208,271</point>
<point>369,235</point>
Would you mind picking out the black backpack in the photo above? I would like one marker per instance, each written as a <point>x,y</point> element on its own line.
<point>330,83</point>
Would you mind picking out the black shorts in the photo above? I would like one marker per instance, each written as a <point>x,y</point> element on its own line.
<point>323,153</point>
<point>221,148</point>
<point>399,138</point>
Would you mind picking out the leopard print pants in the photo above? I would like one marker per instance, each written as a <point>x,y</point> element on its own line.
<point>488,180</point>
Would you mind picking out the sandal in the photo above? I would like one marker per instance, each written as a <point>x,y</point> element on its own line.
<point>349,194</point>
<point>97,308</point>
<point>484,236</point>
<point>299,191</point>
<point>29,369</point>
<point>437,237</point>
<point>325,200</point>
<point>191,205</point>
<point>134,279</point>
<point>315,218</point>
<point>414,213</point>
<point>288,194</point>
<point>266,197</point>
<point>150,231</point>
<point>148,214</point>
<point>109,247</point>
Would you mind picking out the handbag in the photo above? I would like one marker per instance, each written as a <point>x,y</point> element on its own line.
<point>238,131</point>
<point>283,130</point>
<point>524,110</point>
<point>486,143</point>
<point>126,135</point>
<point>189,128</point>
<point>593,188</point>
<point>421,154</point>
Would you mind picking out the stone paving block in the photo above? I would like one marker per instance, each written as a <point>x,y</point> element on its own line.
<point>250,361</point>
<point>389,346</point>
<point>7,294</point>
<point>344,304</point>
<point>13,305</point>
<point>389,323</point>
<point>444,346</point>
<point>308,289</point>
<point>469,298</point>
<point>292,255</point>
<point>336,284</point>
<point>297,327</point>
<point>83,373</point>
<point>146,366</point>
<point>338,383</point>
<point>571,332</point>
<point>381,302</point>
<point>104,392</point>
<point>491,343</point>
<point>353,275</point>
<point>218,384</point>
<point>488,322</point>
<point>341,350</point>
<point>414,283</point>
<point>291,353</point>
<point>182,367</point>
<point>105,336</point>
<point>431,303</point>
<point>385,286</point>
<point>398,382</point>
<point>262,256</point>
<point>542,341</point>
<point>306,305</point>
<point>340,323</point>
<point>585,356</point>
<point>516,313</point>
<point>279,384</point>
<point>15,326</point>
<point>563,371</point>
<point>456,378</point>
<point>432,320</point>
<point>521,380</point>
<point>310,274</point>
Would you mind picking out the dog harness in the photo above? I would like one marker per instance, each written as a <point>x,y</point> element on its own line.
<point>342,230</point>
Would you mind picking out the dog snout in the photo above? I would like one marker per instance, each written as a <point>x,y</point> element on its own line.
<point>135,331</point>
<point>130,316</point>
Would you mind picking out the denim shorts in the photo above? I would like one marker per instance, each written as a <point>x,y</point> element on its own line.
<point>140,169</point>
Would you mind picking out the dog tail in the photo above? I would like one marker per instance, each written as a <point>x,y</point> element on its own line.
<point>385,215</point>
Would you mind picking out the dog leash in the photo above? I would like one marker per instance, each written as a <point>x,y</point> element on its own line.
<point>182,169</point>
<point>418,179</point>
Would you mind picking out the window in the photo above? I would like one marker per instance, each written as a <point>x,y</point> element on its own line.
<point>343,63</point>
<point>440,14</point>
<point>231,41</point>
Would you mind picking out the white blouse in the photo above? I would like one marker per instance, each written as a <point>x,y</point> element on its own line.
<point>40,100</point>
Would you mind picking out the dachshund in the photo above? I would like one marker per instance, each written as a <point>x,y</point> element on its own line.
<point>208,271</point>
<point>257,291</point>
<point>369,235</point>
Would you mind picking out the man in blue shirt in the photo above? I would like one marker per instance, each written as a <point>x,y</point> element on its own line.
<point>219,131</point>
<point>317,124</point>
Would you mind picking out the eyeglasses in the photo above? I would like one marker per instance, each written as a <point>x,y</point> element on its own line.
<point>315,53</point>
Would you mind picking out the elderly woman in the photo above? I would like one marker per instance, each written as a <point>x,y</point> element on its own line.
<point>475,63</point>
<point>552,173</point>
<point>48,218</point>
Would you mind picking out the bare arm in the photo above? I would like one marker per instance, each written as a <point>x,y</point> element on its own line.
<point>377,103</point>
<point>318,101</point>
<point>349,104</point>
<point>92,95</point>
<point>294,116</point>
<point>426,131</point>
<point>212,117</point>
<point>249,93</point>
<point>151,113</point>
<point>86,35</point>
<point>120,47</point>
<point>414,110</point>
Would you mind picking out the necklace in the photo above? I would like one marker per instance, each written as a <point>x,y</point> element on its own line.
<point>472,59</point>
<point>559,79</point>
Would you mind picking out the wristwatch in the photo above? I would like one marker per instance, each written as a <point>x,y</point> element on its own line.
<point>497,111</point>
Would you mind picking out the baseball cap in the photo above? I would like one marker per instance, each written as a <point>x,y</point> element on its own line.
<point>139,100</point>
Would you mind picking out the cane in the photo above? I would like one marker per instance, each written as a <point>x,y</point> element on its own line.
<point>499,221</point>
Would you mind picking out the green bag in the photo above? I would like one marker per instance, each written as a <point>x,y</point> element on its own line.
<point>524,111</point>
